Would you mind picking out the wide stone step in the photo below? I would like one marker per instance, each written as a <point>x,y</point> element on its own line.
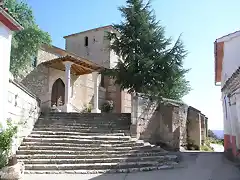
<point>76,133</point>
<point>99,166</point>
<point>71,140</point>
<point>101,171</point>
<point>89,156</point>
<point>83,126</point>
<point>89,130</point>
<point>124,138</point>
<point>79,122</point>
<point>81,148</point>
<point>100,160</point>
<point>70,144</point>
<point>94,152</point>
<point>88,115</point>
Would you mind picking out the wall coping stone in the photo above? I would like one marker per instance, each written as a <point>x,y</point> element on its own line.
<point>24,89</point>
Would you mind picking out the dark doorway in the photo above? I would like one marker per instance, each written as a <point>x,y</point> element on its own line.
<point>58,93</point>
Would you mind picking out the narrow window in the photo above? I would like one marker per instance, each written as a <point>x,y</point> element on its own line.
<point>86,41</point>
<point>102,84</point>
<point>34,62</point>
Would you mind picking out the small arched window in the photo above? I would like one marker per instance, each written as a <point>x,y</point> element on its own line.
<point>86,41</point>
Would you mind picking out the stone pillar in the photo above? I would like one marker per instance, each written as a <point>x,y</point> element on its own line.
<point>134,115</point>
<point>194,127</point>
<point>134,109</point>
<point>95,77</point>
<point>67,106</point>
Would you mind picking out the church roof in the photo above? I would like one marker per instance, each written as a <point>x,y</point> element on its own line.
<point>80,65</point>
<point>95,29</point>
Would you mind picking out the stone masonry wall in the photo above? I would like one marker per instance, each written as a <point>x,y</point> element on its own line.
<point>43,56</point>
<point>83,91</point>
<point>194,127</point>
<point>111,93</point>
<point>165,122</point>
<point>179,121</point>
<point>121,99</point>
<point>126,102</point>
<point>23,110</point>
<point>37,81</point>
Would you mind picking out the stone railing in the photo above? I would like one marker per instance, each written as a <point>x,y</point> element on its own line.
<point>23,110</point>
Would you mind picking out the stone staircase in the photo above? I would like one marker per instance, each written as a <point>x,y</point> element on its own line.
<point>89,143</point>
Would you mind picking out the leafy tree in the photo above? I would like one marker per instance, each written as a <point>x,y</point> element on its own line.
<point>25,43</point>
<point>211,134</point>
<point>149,62</point>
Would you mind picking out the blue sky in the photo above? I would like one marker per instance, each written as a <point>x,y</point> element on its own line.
<point>200,23</point>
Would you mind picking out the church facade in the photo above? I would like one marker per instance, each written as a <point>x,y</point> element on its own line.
<point>69,78</point>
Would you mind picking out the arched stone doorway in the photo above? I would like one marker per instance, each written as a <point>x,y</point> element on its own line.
<point>58,93</point>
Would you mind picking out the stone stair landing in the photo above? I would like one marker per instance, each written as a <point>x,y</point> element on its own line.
<point>89,143</point>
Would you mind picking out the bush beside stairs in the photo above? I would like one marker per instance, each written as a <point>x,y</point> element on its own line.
<point>89,143</point>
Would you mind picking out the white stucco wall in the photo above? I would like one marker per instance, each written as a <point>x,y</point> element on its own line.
<point>5,49</point>
<point>226,115</point>
<point>230,98</point>
<point>231,115</point>
<point>23,110</point>
<point>231,58</point>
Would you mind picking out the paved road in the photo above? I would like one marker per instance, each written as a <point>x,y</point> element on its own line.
<point>197,166</point>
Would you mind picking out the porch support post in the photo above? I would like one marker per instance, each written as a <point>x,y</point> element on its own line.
<point>95,77</point>
<point>68,64</point>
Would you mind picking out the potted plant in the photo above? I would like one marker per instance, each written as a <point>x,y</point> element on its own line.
<point>107,106</point>
<point>87,108</point>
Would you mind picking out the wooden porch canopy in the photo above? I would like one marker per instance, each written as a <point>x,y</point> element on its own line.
<point>80,65</point>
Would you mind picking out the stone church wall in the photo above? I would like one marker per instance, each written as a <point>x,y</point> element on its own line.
<point>40,81</point>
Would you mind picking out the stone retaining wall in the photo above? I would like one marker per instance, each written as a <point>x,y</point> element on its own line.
<point>160,123</point>
<point>170,122</point>
<point>23,110</point>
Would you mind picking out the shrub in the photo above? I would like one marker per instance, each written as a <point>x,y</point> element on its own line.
<point>215,141</point>
<point>108,106</point>
<point>87,108</point>
<point>6,140</point>
<point>207,145</point>
<point>207,148</point>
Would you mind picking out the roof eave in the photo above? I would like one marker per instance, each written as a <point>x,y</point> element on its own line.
<point>15,26</point>
<point>228,37</point>
<point>103,27</point>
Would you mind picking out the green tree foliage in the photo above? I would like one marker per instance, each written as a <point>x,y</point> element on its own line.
<point>211,134</point>
<point>25,43</point>
<point>149,62</point>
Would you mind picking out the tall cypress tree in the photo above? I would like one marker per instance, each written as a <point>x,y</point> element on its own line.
<point>149,62</point>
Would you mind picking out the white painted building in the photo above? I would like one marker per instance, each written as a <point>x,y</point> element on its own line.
<point>227,74</point>
<point>7,26</point>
